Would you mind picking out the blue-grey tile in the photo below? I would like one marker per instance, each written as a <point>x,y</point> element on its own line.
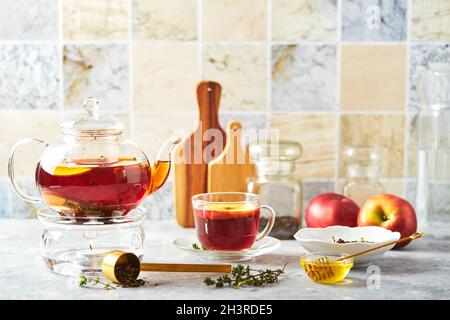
<point>420,56</point>
<point>11,206</point>
<point>411,191</point>
<point>159,204</point>
<point>374,20</point>
<point>252,124</point>
<point>303,77</point>
<point>313,188</point>
<point>29,76</point>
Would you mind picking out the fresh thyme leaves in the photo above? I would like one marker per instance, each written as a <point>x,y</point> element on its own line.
<point>94,281</point>
<point>245,276</point>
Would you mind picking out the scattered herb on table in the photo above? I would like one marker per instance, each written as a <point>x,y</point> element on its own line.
<point>198,247</point>
<point>245,276</point>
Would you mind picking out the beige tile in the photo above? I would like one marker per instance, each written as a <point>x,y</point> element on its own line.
<point>96,70</point>
<point>317,135</point>
<point>165,20</point>
<point>151,130</point>
<point>234,19</point>
<point>165,76</point>
<point>384,131</point>
<point>241,70</point>
<point>313,20</point>
<point>17,125</point>
<point>95,20</point>
<point>373,77</point>
<point>430,20</point>
<point>125,118</point>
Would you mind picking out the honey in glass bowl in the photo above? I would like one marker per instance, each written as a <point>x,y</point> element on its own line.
<point>326,268</point>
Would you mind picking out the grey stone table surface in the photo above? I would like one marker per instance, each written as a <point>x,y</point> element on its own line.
<point>420,271</point>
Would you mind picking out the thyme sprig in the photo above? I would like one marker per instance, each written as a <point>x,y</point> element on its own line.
<point>245,276</point>
<point>94,281</point>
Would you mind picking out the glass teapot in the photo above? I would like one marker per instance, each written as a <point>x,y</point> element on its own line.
<point>93,171</point>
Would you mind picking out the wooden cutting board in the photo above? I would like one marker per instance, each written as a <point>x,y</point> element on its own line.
<point>195,152</point>
<point>231,169</point>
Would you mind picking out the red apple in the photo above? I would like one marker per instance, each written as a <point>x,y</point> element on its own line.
<point>390,212</point>
<point>329,209</point>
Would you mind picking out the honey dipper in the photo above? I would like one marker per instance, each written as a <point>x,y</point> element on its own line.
<point>408,238</point>
<point>121,267</point>
<point>321,269</point>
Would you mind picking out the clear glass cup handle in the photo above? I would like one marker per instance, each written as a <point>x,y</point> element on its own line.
<point>270,223</point>
<point>11,173</point>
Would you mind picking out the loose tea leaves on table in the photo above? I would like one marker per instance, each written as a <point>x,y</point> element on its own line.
<point>245,276</point>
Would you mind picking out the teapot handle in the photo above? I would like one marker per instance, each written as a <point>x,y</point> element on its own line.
<point>11,173</point>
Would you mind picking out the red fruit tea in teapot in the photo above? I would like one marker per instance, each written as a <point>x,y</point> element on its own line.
<point>97,188</point>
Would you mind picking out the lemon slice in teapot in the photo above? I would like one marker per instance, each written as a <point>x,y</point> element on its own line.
<point>69,170</point>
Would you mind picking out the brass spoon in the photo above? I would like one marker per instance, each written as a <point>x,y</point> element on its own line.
<point>119,267</point>
<point>408,238</point>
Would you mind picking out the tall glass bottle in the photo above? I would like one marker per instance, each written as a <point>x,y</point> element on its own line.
<point>433,150</point>
<point>276,184</point>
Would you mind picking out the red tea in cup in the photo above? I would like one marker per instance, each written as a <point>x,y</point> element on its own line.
<point>227,226</point>
<point>229,221</point>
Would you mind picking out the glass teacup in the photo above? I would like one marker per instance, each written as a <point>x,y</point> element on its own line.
<point>229,220</point>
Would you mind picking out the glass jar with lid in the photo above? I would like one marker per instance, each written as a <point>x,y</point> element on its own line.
<point>276,184</point>
<point>362,170</point>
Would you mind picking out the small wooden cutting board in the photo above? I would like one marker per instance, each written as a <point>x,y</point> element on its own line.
<point>196,151</point>
<point>230,170</point>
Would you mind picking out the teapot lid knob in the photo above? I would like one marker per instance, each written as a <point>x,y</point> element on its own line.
<point>92,106</point>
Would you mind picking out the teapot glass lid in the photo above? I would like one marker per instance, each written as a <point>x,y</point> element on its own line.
<point>92,122</point>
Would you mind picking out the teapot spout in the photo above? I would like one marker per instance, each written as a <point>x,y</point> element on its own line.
<point>161,168</point>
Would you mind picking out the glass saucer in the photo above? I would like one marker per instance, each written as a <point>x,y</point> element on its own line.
<point>259,248</point>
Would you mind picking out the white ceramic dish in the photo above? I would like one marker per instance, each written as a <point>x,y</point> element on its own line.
<point>321,240</point>
<point>263,246</point>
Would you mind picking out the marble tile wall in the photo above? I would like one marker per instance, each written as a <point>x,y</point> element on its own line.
<point>326,73</point>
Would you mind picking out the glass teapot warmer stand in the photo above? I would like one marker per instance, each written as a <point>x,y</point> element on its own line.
<point>71,246</point>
